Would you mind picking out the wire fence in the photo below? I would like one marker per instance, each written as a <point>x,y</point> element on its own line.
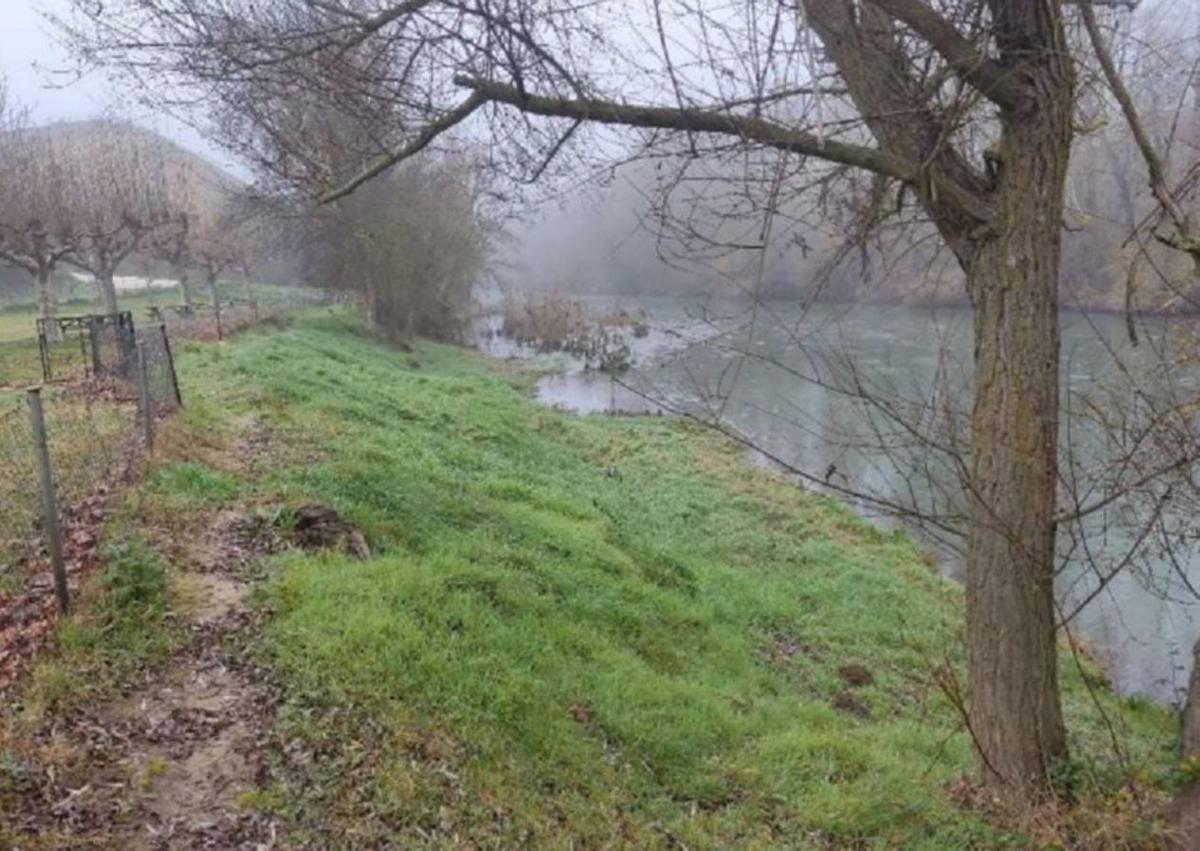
<point>62,449</point>
<point>95,346</point>
<point>217,320</point>
<point>89,432</point>
<point>66,441</point>
<point>92,345</point>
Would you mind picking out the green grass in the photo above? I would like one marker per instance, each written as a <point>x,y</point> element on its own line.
<point>20,362</point>
<point>594,632</point>
<point>190,486</point>
<point>119,623</point>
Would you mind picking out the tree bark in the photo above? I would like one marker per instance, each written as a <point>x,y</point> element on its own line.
<point>1012,275</point>
<point>108,291</point>
<point>47,300</point>
<point>1189,734</point>
<point>185,288</point>
<point>1185,814</point>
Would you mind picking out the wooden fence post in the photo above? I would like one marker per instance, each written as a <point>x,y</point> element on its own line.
<point>37,419</point>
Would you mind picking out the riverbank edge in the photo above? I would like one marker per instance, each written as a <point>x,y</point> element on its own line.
<point>230,383</point>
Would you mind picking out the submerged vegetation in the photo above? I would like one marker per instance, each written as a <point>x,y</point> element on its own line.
<point>555,323</point>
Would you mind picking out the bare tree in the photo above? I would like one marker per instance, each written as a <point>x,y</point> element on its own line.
<point>413,244</point>
<point>959,110</point>
<point>1172,223</point>
<point>217,247</point>
<point>120,183</point>
<point>36,216</point>
<point>171,243</point>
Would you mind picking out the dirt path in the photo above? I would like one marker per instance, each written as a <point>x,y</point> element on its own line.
<point>195,732</point>
<point>173,764</point>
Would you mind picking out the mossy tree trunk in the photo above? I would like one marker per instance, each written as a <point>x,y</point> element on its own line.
<point>1015,714</point>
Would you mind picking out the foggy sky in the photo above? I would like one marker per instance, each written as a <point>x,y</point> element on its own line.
<point>42,77</point>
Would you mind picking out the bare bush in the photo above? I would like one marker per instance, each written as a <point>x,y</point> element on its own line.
<point>555,323</point>
<point>412,245</point>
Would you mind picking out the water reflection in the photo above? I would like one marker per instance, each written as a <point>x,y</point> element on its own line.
<point>775,373</point>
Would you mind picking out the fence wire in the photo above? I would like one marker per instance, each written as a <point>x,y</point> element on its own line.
<point>18,483</point>
<point>216,321</point>
<point>90,431</point>
<point>92,398</point>
<point>162,381</point>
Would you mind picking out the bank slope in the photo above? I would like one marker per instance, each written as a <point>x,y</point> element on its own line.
<point>597,632</point>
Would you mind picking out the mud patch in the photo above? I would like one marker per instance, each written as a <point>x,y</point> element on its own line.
<point>856,676</point>
<point>210,596</point>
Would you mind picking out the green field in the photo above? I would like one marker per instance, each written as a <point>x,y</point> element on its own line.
<point>598,632</point>
<point>19,359</point>
<point>18,318</point>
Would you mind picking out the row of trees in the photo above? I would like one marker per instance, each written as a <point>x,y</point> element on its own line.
<point>91,194</point>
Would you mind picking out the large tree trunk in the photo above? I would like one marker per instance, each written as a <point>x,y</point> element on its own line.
<point>1185,814</point>
<point>47,300</point>
<point>1015,714</point>
<point>108,291</point>
<point>185,285</point>
<point>1189,734</point>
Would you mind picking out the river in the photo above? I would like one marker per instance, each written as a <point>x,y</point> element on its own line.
<point>751,368</point>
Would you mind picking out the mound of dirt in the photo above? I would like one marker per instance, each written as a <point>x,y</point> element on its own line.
<point>321,527</point>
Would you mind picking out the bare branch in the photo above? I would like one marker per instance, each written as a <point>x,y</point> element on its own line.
<point>749,128</point>
<point>998,84</point>
<point>430,132</point>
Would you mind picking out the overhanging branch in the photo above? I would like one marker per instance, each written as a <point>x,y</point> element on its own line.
<point>696,120</point>
<point>408,149</point>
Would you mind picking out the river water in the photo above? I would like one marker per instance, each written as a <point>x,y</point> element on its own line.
<point>776,375</point>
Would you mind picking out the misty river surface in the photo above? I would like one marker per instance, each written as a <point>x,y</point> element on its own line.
<point>751,368</point>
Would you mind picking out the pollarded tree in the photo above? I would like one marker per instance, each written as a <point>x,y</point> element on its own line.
<point>120,183</point>
<point>216,246</point>
<point>171,243</point>
<point>961,107</point>
<point>36,215</point>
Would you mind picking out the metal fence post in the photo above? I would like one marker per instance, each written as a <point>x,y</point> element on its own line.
<point>94,341</point>
<point>147,409</point>
<point>162,328</point>
<point>37,419</point>
<point>43,349</point>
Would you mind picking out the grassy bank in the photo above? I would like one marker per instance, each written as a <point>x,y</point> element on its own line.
<point>598,632</point>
